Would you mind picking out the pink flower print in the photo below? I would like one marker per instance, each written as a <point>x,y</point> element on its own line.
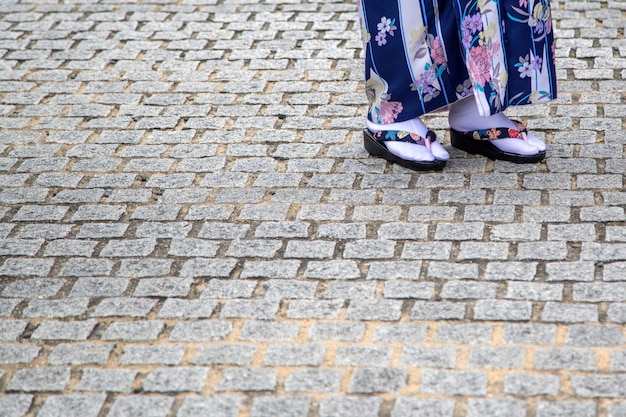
<point>523,3</point>
<point>381,38</point>
<point>389,111</point>
<point>495,48</point>
<point>436,53</point>
<point>480,64</point>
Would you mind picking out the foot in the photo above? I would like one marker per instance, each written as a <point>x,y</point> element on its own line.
<point>425,151</point>
<point>464,117</point>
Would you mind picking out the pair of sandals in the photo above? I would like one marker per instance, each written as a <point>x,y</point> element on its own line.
<point>474,142</point>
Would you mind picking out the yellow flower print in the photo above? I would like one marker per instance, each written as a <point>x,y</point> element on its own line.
<point>365,35</point>
<point>504,77</point>
<point>534,97</point>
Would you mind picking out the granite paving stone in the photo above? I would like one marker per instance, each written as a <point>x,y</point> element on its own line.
<point>191,225</point>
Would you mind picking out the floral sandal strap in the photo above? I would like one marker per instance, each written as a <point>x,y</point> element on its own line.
<point>501,132</point>
<point>402,136</point>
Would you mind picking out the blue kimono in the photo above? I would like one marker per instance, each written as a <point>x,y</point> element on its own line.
<point>422,55</point>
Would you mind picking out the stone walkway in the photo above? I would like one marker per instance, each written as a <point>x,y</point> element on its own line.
<point>191,227</point>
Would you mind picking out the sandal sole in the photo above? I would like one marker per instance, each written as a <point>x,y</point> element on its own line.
<point>376,148</point>
<point>485,148</point>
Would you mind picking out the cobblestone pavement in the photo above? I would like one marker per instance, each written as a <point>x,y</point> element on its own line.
<point>191,227</point>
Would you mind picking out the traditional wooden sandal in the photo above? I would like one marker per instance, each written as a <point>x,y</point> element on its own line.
<point>374,144</point>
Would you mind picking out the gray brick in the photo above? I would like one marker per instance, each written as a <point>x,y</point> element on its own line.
<point>316,249</point>
<point>464,333</point>
<point>371,380</point>
<point>618,360</point>
<point>286,289</point>
<point>453,382</point>
<point>20,267</point>
<point>40,379</point>
<point>346,406</point>
<point>489,213</point>
<point>219,288</point>
<point>141,406</point>
<point>584,335</point>
<point>15,354</point>
<point>617,313</point>
<point>542,250</point>
<point>407,406</point>
<point>268,331</point>
<point>350,332</point>
<point>17,247</point>
<point>393,270</point>
<point>530,385</point>
<point>58,330</point>
<point>15,405</point>
<point>257,309</point>
<point>175,379</point>
<point>565,359</point>
<point>274,406</point>
<point>427,250</point>
<point>449,270</point>
<point>123,307</point>
<point>45,231</point>
<point>468,289</point>
<point>98,287</point>
<point>6,308</point>
<point>247,379</point>
<point>253,248</point>
<point>598,292</point>
<point>218,406</point>
<point>294,355</point>
<point>157,354</point>
<point>595,386</point>
<point>496,407</point>
<point>40,213</point>
<point>563,408</point>
<point>146,267</point>
<point>200,267</point>
<point>129,248</point>
<point>529,334</point>
<point>98,213</point>
<point>223,231</point>
<point>224,354</point>
<point>429,357</point>
<point>413,290</point>
<point>569,313</point>
<point>335,269</point>
<point>302,309</point>
<point>134,331</point>
<point>502,310</point>
<point>362,356</point>
<point>385,310</point>
<point>80,353</point>
<point>187,309</point>
<point>55,308</point>
<point>534,291</point>
<point>198,331</point>
<point>101,230</point>
<point>599,252</point>
<point>570,271</point>
<point>517,232</point>
<point>497,357</point>
<point>617,410</point>
<point>87,267</point>
<point>178,230</point>
<point>73,405</point>
<point>11,329</point>
<point>33,288</point>
<point>282,229</point>
<point>314,380</point>
<point>484,250</point>
<point>439,310</point>
<point>112,380</point>
<point>70,247</point>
